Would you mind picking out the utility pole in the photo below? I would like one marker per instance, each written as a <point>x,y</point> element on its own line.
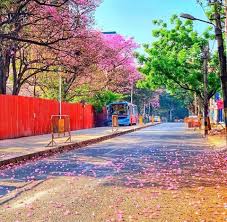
<point>132,94</point>
<point>205,57</point>
<point>196,105</point>
<point>225,5</point>
<point>222,56</point>
<point>60,94</point>
<point>217,4</point>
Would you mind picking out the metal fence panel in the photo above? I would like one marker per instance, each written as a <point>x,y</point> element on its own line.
<point>26,116</point>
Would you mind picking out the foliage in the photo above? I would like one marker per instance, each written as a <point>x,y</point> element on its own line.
<point>185,97</point>
<point>44,24</point>
<point>145,98</point>
<point>174,59</point>
<point>101,64</point>
<point>172,108</point>
<point>100,99</point>
<point>43,39</point>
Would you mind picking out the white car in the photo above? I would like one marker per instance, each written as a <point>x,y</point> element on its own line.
<point>157,118</point>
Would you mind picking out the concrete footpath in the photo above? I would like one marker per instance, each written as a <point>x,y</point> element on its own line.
<point>27,148</point>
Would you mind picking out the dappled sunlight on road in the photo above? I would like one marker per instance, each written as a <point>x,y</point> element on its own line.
<point>141,176</point>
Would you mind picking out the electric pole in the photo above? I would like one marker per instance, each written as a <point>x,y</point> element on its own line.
<point>205,57</point>
<point>225,5</point>
<point>132,88</point>
<point>222,55</point>
<point>60,94</point>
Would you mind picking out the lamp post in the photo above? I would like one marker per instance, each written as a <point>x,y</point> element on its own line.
<point>221,52</point>
<point>225,5</point>
<point>109,33</point>
<point>60,94</point>
<point>132,88</point>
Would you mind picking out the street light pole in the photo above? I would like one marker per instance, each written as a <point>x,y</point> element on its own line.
<point>222,59</point>
<point>60,94</point>
<point>132,94</point>
<point>225,5</point>
<point>221,52</point>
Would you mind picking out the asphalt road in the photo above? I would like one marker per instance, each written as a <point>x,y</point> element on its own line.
<point>162,173</point>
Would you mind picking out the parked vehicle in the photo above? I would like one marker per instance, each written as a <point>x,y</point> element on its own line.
<point>127,113</point>
<point>157,119</point>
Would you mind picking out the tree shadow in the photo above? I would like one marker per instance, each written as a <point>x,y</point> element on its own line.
<point>136,160</point>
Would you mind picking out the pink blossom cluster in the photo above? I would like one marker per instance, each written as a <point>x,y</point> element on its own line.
<point>122,55</point>
<point>82,52</point>
<point>155,100</point>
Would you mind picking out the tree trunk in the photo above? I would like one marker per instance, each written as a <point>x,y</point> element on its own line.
<point>196,105</point>
<point>222,59</point>
<point>205,96</point>
<point>2,77</point>
<point>206,112</point>
<point>170,115</point>
<point>4,70</point>
<point>15,79</point>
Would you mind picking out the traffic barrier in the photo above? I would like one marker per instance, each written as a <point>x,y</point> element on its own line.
<point>115,123</point>
<point>141,120</point>
<point>186,120</point>
<point>152,119</point>
<point>60,125</point>
<point>193,122</point>
<point>196,123</point>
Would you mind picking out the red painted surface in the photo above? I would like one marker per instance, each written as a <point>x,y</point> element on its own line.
<point>134,119</point>
<point>25,116</point>
<point>220,104</point>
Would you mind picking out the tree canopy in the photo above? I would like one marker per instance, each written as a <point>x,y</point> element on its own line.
<point>42,38</point>
<point>174,60</point>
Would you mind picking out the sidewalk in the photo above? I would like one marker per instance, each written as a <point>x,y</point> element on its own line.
<point>217,140</point>
<point>14,150</point>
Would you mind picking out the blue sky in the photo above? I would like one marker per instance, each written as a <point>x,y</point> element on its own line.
<point>133,18</point>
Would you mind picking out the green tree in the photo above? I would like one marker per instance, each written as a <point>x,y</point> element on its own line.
<point>100,99</point>
<point>172,108</point>
<point>174,60</point>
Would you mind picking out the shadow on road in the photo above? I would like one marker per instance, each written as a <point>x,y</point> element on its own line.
<point>154,157</point>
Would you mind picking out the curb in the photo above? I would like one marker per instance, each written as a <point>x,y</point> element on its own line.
<point>65,148</point>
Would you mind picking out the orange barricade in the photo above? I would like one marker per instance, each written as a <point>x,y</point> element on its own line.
<point>196,123</point>
<point>60,126</point>
<point>115,123</point>
<point>193,122</point>
<point>141,120</point>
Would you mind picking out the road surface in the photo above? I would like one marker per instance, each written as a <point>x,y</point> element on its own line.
<point>162,173</point>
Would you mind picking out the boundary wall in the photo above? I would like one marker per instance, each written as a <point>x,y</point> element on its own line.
<point>26,116</point>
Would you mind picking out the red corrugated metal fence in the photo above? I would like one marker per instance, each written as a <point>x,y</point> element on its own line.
<point>26,116</point>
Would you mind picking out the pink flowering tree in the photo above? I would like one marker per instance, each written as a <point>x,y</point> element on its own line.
<point>29,26</point>
<point>119,62</point>
<point>50,38</point>
<point>101,62</point>
<point>155,99</point>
